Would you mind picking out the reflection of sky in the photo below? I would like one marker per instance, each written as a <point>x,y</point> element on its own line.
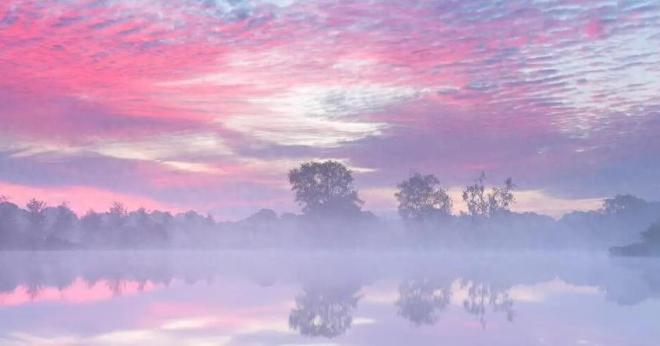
<point>238,312</point>
<point>206,104</point>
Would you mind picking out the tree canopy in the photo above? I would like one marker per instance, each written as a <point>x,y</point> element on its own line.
<point>421,197</point>
<point>481,203</point>
<point>324,187</point>
<point>652,234</point>
<point>622,204</point>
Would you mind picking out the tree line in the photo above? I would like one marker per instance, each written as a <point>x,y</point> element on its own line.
<point>332,214</point>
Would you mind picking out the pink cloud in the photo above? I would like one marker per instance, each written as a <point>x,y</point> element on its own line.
<point>295,82</point>
<point>594,28</point>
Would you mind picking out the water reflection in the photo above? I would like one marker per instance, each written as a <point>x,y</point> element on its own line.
<point>482,295</point>
<point>316,297</point>
<point>421,300</point>
<point>324,310</point>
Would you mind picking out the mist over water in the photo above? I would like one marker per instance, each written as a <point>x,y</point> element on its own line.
<point>342,297</point>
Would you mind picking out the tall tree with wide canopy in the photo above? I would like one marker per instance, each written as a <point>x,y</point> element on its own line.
<point>323,188</point>
<point>420,197</point>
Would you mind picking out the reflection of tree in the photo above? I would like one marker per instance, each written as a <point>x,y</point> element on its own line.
<point>33,289</point>
<point>421,300</point>
<point>481,295</point>
<point>324,311</point>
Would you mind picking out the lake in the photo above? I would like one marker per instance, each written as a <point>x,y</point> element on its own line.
<point>327,298</point>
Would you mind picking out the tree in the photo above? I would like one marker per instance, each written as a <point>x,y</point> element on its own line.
<point>324,187</point>
<point>474,197</point>
<point>652,234</point>
<point>501,198</point>
<point>36,214</point>
<point>622,204</point>
<point>117,215</point>
<point>91,224</point>
<point>480,203</point>
<point>64,222</point>
<point>421,197</point>
<point>8,226</point>
<point>148,229</point>
<point>91,221</point>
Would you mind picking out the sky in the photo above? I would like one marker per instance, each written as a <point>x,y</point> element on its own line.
<point>206,104</point>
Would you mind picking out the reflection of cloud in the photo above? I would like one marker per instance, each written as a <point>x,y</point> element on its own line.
<point>380,294</point>
<point>357,321</point>
<point>78,292</point>
<point>188,323</point>
<point>20,339</point>
<point>542,291</point>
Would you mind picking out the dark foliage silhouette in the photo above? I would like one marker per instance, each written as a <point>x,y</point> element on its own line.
<point>421,198</point>
<point>36,216</point>
<point>324,188</point>
<point>649,245</point>
<point>481,203</point>
<point>623,204</point>
<point>333,217</point>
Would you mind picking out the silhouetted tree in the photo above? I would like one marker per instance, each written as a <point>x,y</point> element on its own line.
<point>420,300</point>
<point>649,246</point>
<point>324,311</point>
<point>480,203</point>
<point>65,221</point>
<point>9,235</point>
<point>36,217</point>
<point>146,229</point>
<point>622,204</point>
<point>501,198</point>
<point>117,215</point>
<point>91,221</point>
<point>652,234</point>
<point>421,197</point>
<point>91,225</point>
<point>194,219</point>
<point>475,198</point>
<point>324,188</point>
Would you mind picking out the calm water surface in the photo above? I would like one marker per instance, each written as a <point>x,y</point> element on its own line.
<point>345,298</point>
